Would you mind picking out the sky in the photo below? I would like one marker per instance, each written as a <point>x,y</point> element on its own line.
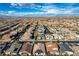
<point>39,9</point>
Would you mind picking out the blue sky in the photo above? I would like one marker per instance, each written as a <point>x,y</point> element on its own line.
<point>39,9</point>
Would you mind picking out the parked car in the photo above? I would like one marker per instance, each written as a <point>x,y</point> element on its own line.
<point>48,37</point>
<point>40,37</point>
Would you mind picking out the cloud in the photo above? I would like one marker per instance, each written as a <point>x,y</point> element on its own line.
<point>24,5</point>
<point>14,13</point>
<point>46,9</point>
<point>50,12</point>
<point>55,10</point>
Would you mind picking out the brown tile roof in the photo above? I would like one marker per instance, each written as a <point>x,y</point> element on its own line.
<point>26,47</point>
<point>51,46</point>
<point>6,38</point>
